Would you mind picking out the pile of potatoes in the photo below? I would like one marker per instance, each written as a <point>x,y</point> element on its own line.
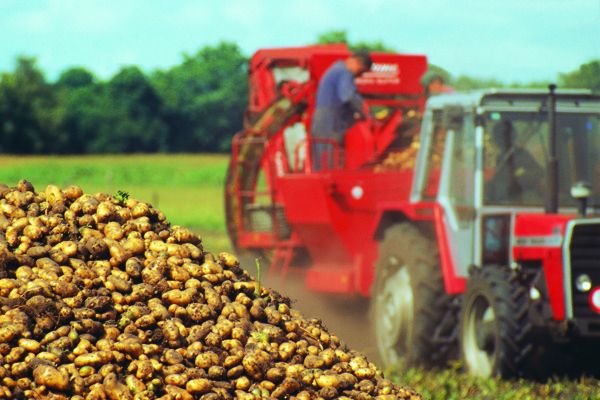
<point>101,298</point>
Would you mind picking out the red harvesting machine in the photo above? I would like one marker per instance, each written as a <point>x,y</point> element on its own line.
<point>469,219</point>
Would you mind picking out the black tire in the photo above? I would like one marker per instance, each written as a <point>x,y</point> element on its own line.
<point>495,324</point>
<point>408,301</point>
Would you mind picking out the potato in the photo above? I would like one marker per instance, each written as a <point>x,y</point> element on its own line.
<point>12,236</point>
<point>134,245</point>
<point>142,224</point>
<point>73,192</point>
<point>195,252</point>
<point>30,345</point>
<point>54,195</point>
<point>327,380</point>
<point>179,297</point>
<point>312,362</point>
<point>49,376</point>
<point>141,209</point>
<point>33,232</point>
<point>184,235</point>
<point>114,231</point>
<point>115,389</point>
<point>106,211</point>
<point>229,260</point>
<point>364,373</point>
<point>198,386</point>
<point>176,380</point>
<point>16,353</point>
<point>67,247</point>
<point>8,333</point>
<point>256,364</point>
<point>206,360</point>
<point>119,255</point>
<point>134,385</point>
<point>178,393</point>
<point>95,359</point>
<point>131,347</point>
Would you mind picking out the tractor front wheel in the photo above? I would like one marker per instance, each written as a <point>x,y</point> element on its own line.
<point>408,299</point>
<point>494,323</point>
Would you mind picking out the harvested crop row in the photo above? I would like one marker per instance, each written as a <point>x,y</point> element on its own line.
<point>103,299</point>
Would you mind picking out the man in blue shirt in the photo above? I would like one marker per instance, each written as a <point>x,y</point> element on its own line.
<point>337,101</point>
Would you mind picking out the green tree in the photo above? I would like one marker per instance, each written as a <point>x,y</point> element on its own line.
<point>342,37</point>
<point>30,112</point>
<point>333,37</point>
<point>586,77</point>
<point>464,82</point>
<point>135,100</point>
<point>121,115</point>
<point>74,78</point>
<point>205,98</point>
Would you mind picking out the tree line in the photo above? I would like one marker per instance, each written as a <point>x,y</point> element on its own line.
<point>196,106</point>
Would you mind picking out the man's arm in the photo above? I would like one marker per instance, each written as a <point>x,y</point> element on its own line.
<point>348,93</point>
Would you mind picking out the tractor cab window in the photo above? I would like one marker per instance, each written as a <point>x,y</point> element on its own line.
<point>462,176</point>
<point>435,156</point>
<point>516,154</point>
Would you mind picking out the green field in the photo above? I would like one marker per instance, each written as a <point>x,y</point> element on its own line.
<point>188,188</point>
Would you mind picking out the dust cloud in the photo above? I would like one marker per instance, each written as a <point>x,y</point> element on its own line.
<point>346,316</point>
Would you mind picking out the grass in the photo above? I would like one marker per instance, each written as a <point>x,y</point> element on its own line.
<point>451,384</point>
<point>188,188</point>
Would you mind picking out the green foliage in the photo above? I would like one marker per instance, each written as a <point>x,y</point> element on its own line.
<point>333,37</point>
<point>196,106</point>
<point>449,384</point>
<point>464,82</point>
<point>257,290</point>
<point>30,111</point>
<point>205,98</point>
<point>74,78</point>
<point>586,77</point>
<point>123,115</point>
<point>342,37</point>
<point>122,196</point>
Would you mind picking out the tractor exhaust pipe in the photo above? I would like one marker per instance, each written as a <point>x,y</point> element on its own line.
<point>552,166</point>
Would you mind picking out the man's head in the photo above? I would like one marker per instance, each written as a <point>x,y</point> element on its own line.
<point>433,82</point>
<point>359,63</point>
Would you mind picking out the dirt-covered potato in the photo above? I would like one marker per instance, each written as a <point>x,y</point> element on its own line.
<point>101,298</point>
<point>49,376</point>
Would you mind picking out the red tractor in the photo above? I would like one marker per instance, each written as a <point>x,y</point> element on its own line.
<point>463,218</point>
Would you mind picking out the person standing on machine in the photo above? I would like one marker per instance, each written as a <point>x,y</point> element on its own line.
<point>337,101</point>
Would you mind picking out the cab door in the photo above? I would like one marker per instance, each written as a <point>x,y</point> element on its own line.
<point>458,190</point>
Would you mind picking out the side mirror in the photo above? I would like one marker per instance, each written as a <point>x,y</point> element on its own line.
<point>581,191</point>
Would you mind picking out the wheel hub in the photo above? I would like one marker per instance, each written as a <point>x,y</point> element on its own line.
<point>479,337</point>
<point>394,316</point>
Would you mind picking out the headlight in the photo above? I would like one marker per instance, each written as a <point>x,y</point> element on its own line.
<point>583,283</point>
<point>595,299</point>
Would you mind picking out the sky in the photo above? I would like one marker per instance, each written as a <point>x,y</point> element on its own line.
<point>507,40</point>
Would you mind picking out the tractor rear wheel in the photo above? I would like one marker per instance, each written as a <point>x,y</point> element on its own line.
<point>409,301</point>
<point>494,323</point>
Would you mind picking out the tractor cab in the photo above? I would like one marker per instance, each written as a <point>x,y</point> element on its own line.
<point>515,174</point>
<point>485,158</point>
